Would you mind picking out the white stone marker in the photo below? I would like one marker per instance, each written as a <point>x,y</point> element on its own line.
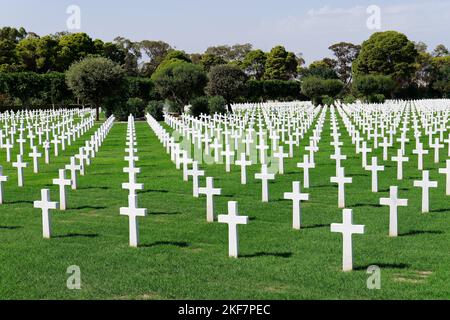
<point>347,228</point>
<point>393,202</point>
<point>265,176</point>
<point>420,152</point>
<point>341,180</point>
<point>445,171</point>
<point>374,168</point>
<point>296,196</point>
<point>229,157</point>
<point>243,163</point>
<point>280,155</point>
<point>35,155</point>
<point>436,146</point>
<point>2,179</point>
<point>62,182</point>
<point>209,191</point>
<point>233,219</point>
<point>195,173</point>
<point>73,167</point>
<point>400,159</point>
<point>133,212</point>
<point>19,165</point>
<point>425,184</point>
<point>306,165</point>
<point>46,205</point>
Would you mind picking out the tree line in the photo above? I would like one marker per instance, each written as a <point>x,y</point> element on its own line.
<point>53,69</point>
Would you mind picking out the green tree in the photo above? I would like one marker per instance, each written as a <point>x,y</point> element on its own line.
<point>73,47</point>
<point>95,79</point>
<point>132,55</point>
<point>322,69</point>
<point>227,81</point>
<point>372,85</point>
<point>156,51</point>
<point>254,64</point>
<point>440,51</point>
<point>345,53</point>
<point>318,89</point>
<point>209,60</point>
<point>388,53</point>
<point>235,53</point>
<point>179,81</point>
<point>280,64</point>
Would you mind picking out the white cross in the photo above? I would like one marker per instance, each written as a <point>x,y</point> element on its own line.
<point>280,155</point>
<point>296,196</point>
<point>62,182</point>
<point>133,212</point>
<point>8,146</point>
<point>195,173</point>
<point>446,171</point>
<point>374,168</point>
<point>436,146</point>
<point>306,165</point>
<point>393,202</point>
<point>209,191</point>
<point>216,146</point>
<point>364,150</point>
<point>73,167</point>
<point>337,156</point>
<point>229,157</point>
<point>347,228</point>
<point>55,142</point>
<point>35,155</point>
<point>400,159</point>
<point>420,152</point>
<point>46,151</point>
<point>265,176</point>
<point>425,184</point>
<point>341,180</point>
<point>385,145</point>
<point>46,205</point>
<point>2,179</point>
<point>19,165</point>
<point>233,220</point>
<point>243,163</point>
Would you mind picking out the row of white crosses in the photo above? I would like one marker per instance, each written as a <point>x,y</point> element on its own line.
<point>20,165</point>
<point>132,210</point>
<point>45,204</point>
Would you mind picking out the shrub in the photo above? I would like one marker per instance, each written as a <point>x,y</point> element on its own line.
<point>199,106</point>
<point>217,104</point>
<point>156,109</point>
<point>369,85</point>
<point>327,100</point>
<point>349,99</point>
<point>136,107</point>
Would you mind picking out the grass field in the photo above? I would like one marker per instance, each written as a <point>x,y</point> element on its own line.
<point>183,257</point>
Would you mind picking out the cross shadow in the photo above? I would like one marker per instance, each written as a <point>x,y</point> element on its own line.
<point>179,244</point>
<point>383,265</point>
<point>267,254</point>
<point>357,175</point>
<point>388,190</point>
<point>419,232</point>
<point>331,185</point>
<point>165,213</point>
<point>367,205</point>
<point>149,191</point>
<point>78,235</point>
<point>18,202</point>
<point>89,207</point>
<point>90,188</point>
<point>10,227</point>
<point>314,226</point>
<point>441,210</point>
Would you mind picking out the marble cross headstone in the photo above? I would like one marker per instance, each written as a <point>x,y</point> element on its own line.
<point>46,205</point>
<point>243,163</point>
<point>341,180</point>
<point>374,168</point>
<point>265,176</point>
<point>393,202</point>
<point>296,196</point>
<point>446,172</point>
<point>2,179</point>
<point>233,220</point>
<point>425,184</point>
<point>19,165</point>
<point>210,192</point>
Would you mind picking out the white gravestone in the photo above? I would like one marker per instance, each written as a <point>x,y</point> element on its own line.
<point>46,205</point>
<point>62,182</point>
<point>341,180</point>
<point>446,172</point>
<point>2,179</point>
<point>233,220</point>
<point>425,184</point>
<point>296,196</point>
<point>265,176</point>
<point>393,202</point>
<point>209,191</point>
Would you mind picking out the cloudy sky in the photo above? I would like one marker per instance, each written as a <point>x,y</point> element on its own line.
<point>309,27</point>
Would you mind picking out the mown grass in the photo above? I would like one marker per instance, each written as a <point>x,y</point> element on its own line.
<point>183,257</point>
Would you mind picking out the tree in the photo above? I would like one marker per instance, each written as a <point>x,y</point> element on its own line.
<point>155,51</point>
<point>132,55</point>
<point>440,51</point>
<point>37,54</point>
<point>317,88</point>
<point>235,53</point>
<point>73,47</point>
<point>387,53</point>
<point>345,53</point>
<point>179,81</point>
<point>371,85</point>
<point>254,64</point>
<point>209,60</point>
<point>323,69</point>
<point>94,79</point>
<point>227,81</point>
<point>280,64</point>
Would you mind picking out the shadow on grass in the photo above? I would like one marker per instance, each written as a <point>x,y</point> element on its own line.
<point>388,190</point>
<point>89,207</point>
<point>315,226</point>
<point>150,191</point>
<point>383,265</point>
<point>165,213</point>
<point>419,232</point>
<point>179,244</point>
<point>78,235</point>
<point>90,188</point>
<point>10,227</point>
<point>19,202</point>
<point>373,205</point>
<point>441,210</point>
<point>267,254</point>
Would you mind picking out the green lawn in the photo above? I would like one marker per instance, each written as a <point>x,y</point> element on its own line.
<point>183,257</point>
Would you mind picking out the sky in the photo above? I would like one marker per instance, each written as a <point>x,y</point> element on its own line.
<point>307,27</point>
